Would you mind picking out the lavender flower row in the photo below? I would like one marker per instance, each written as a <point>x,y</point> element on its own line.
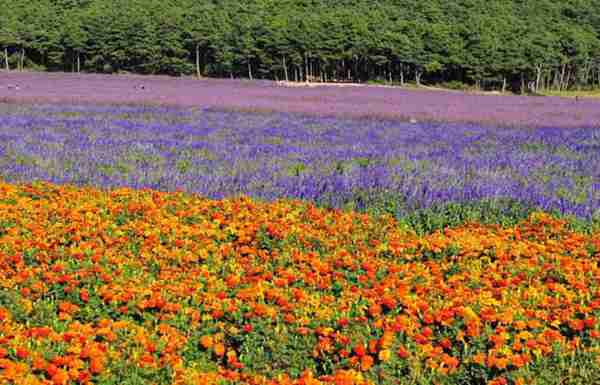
<point>329,160</point>
<point>378,102</point>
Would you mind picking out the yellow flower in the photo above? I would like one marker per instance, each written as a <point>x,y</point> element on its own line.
<point>385,355</point>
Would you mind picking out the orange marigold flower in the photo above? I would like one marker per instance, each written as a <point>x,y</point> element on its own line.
<point>60,378</point>
<point>518,360</point>
<point>206,341</point>
<point>498,381</point>
<point>366,362</point>
<point>219,349</point>
<point>373,346</point>
<point>577,325</point>
<point>501,363</point>
<point>38,364</point>
<point>479,359</point>
<point>96,366</point>
<point>375,310</point>
<point>450,361</point>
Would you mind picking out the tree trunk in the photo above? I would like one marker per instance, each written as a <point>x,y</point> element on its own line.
<point>78,62</point>
<point>6,59</point>
<point>418,75</point>
<point>401,74</point>
<point>307,72</point>
<point>538,76</point>
<point>503,83</point>
<point>250,70</point>
<point>285,70</point>
<point>568,79</point>
<point>22,60</point>
<point>587,67</point>
<point>198,75</point>
<point>561,83</point>
<point>522,83</point>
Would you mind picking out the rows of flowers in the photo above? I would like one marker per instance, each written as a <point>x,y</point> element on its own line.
<point>137,286</point>
<point>360,164</point>
<point>383,102</point>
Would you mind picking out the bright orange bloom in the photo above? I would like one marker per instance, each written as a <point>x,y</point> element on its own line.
<point>206,341</point>
<point>366,362</point>
<point>96,366</point>
<point>219,349</point>
<point>60,378</point>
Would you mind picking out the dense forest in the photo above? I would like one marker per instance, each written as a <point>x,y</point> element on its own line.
<point>522,45</point>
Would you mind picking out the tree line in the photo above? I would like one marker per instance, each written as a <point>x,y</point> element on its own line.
<point>522,45</point>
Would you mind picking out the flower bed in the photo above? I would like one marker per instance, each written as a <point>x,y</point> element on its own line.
<point>127,286</point>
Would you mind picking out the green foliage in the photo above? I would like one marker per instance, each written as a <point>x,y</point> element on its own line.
<point>536,45</point>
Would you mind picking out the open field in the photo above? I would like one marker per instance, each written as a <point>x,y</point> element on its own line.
<point>377,102</point>
<point>572,94</point>
<point>227,232</point>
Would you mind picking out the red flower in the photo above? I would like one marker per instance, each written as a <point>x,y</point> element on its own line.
<point>590,322</point>
<point>446,343</point>
<point>51,370</point>
<point>84,295</point>
<point>360,350</point>
<point>402,352</point>
<point>22,353</point>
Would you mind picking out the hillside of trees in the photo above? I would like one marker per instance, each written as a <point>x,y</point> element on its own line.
<point>521,45</point>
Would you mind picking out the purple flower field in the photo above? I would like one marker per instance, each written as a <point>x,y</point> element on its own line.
<point>378,102</point>
<point>334,161</point>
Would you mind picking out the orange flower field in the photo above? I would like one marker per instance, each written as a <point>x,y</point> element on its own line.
<point>146,287</point>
